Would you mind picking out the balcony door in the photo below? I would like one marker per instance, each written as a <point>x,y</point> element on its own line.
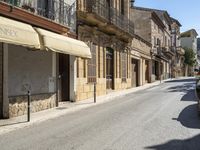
<point>109,68</point>
<point>108,10</point>
<point>46,8</point>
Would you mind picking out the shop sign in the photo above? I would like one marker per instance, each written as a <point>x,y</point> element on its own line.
<point>5,31</point>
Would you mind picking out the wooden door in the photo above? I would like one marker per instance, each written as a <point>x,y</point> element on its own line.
<point>64,73</point>
<point>157,70</point>
<point>146,71</point>
<point>134,76</point>
<point>109,68</point>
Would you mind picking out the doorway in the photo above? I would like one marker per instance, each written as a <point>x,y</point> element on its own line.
<point>109,68</point>
<point>134,76</point>
<point>157,70</point>
<point>147,71</point>
<point>64,77</point>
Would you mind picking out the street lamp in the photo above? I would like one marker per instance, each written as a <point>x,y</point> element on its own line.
<point>132,3</point>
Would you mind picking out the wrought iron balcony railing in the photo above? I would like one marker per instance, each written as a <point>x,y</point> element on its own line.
<point>55,10</point>
<point>112,15</point>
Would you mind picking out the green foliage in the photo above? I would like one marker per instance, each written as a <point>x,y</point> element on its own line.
<point>189,57</point>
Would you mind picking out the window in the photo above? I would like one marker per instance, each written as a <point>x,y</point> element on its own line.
<point>165,40</point>
<point>104,63</point>
<point>77,65</point>
<point>155,43</point>
<point>124,66</point>
<point>14,2</point>
<point>158,42</point>
<point>92,65</point>
<point>116,64</point>
<point>155,26</point>
<point>120,65</point>
<point>122,7</point>
<point>84,68</point>
<point>169,43</point>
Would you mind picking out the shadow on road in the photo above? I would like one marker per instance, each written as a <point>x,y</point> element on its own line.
<point>187,144</point>
<point>190,95</point>
<point>181,80</point>
<point>189,117</point>
<point>182,88</point>
<point>188,90</point>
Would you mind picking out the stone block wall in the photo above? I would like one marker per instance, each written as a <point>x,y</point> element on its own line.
<point>18,104</point>
<point>119,85</point>
<point>85,90</point>
<point>142,23</point>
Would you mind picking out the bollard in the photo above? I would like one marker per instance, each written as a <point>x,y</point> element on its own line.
<point>28,106</point>
<point>95,93</point>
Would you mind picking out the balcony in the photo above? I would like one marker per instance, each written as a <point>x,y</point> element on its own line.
<point>57,11</point>
<point>170,51</point>
<point>180,51</point>
<point>157,51</point>
<point>106,18</point>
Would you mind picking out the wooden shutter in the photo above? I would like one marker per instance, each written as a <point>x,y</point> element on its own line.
<point>92,65</point>
<point>124,66</point>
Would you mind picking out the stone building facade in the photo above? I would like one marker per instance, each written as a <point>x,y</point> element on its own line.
<point>44,63</point>
<point>150,26</point>
<point>141,52</point>
<point>106,27</point>
<point>178,68</point>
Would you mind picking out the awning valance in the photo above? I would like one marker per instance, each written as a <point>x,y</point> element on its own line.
<point>62,44</point>
<point>15,32</point>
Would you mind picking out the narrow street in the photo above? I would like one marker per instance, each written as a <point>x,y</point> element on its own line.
<point>160,118</point>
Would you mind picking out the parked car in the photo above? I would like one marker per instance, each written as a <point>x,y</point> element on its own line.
<point>197,75</point>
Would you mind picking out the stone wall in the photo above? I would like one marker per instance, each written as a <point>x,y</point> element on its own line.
<point>142,23</point>
<point>1,80</point>
<point>29,70</point>
<point>18,104</point>
<point>85,90</point>
<point>141,46</point>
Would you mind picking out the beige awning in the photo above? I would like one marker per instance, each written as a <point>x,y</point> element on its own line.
<point>62,44</point>
<point>15,32</point>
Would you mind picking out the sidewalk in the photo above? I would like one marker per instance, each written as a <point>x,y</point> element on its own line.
<point>12,124</point>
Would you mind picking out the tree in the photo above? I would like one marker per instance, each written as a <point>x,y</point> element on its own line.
<point>189,57</point>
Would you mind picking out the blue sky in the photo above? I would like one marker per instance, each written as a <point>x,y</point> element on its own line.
<point>187,12</point>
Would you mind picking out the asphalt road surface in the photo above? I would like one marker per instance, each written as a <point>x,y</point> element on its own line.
<point>160,118</point>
